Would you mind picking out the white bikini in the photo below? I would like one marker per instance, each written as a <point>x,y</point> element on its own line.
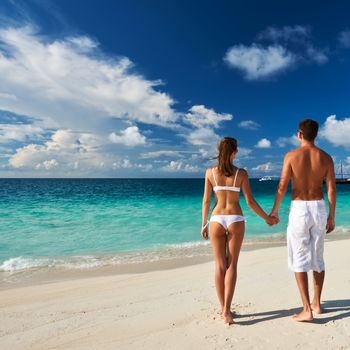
<point>226,220</point>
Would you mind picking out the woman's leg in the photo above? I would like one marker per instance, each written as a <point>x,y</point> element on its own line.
<point>218,242</point>
<point>234,242</point>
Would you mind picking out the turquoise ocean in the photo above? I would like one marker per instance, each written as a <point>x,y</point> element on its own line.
<point>86,223</point>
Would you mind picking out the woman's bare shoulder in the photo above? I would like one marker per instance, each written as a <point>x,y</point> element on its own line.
<point>243,172</point>
<point>208,172</point>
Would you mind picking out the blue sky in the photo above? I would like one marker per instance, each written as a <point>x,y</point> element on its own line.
<point>147,88</point>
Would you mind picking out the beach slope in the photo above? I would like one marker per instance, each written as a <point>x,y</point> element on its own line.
<point>177,309</point>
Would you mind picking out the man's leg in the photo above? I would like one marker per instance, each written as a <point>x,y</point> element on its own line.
<point>318,233</point>
<point>318,284</point>
<point>306,314</point>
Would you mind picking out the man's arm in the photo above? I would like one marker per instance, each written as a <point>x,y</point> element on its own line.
<point>331,193</point>
<point>283,184</point>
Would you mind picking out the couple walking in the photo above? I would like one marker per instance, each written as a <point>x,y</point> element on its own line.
<point>307,167</point>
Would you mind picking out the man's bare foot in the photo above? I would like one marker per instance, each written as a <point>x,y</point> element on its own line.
<point>303,316</point>
<point>316,309</point>
<point>227,317</point>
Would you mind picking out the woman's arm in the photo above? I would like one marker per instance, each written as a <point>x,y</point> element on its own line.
<point>251,201</point>
<point>206,203</point>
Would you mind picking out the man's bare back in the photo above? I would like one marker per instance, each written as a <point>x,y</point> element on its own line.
<point>308,166</point>
<point>308,223</point>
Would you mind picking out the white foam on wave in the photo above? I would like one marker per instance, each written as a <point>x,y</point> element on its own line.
<point>22,263</point>
<point>76,262</point>
<point>167,252</point>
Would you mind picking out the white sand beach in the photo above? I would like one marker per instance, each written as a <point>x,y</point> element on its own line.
<point>177,309</point>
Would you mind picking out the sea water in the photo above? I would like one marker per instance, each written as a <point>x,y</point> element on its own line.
<point>83,223</point>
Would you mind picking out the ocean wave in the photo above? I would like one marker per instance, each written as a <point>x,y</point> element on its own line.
<point>161,252</point>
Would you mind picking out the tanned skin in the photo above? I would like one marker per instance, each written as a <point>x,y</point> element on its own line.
<point>306,167</point>
<point>226,248</point>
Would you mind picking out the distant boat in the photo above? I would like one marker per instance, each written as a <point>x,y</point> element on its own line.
<point>342,177</point>
<point>266,178</point>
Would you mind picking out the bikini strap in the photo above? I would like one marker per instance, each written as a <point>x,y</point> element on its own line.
<point>234,182</point>
<point>212,170</point>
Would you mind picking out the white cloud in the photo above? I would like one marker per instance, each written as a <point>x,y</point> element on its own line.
<point>19,132</point>
<point>266,167</point>
<point>288,46</point>
<point>200,116</point>
<point>263,143</point>
<point>130,137</point>
<point>344,38</point>
<point>300,37</point>
<point>284,141</point>
<point>249,125</point>
<point>287,33</point>
<point>316,54</point>
<point>8,96</point>
<point>336,131</point>
<point>70,82</point>
<point>179,166</point>
<point>47,164</point>
<point>243,152</point>
<point>67,150</point>
<point>161,153</point>
<point>126,164</point>
<point>258,62</point>
<point>202,136</point>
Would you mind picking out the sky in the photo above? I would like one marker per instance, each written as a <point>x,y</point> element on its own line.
<point>146,88</point>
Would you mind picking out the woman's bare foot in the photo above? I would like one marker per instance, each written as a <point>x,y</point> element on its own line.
<point>227,317</point>
<point>303,316</point>
<point>316,308</point>
<point>222,312</point>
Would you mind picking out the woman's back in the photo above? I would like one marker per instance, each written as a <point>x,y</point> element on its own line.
<point>227,191</point>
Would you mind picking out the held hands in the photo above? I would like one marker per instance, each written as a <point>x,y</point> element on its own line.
<point>272,219</point>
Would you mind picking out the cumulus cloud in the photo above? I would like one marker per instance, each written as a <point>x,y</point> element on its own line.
<point>285,141</point>
<point>47,164</point>
<point>130,137</point>
<point>266,167</point>
<point>287,33</point>
<point>65,150</point>
<point>127,164</point>
<point>202,136</point>
<point>344,38</point>
<point>258,62</point>
<point>263,143</point>
<point>200,116</point>
<point>161,153</point>
<point>65,80</point>
<point>249,125</point>
<point>180,166</point>
<point>336,131</point>
<point>282,48</point>
<point>298,40</point>
<point>19,132</point>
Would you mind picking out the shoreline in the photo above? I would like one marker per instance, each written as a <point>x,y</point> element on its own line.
<point>202,254</point>
<point>178,309</point>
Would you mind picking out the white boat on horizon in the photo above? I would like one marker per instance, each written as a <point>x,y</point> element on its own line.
<point>266,178</point>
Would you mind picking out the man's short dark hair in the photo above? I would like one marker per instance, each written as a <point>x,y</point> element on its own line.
<point>309,129</point>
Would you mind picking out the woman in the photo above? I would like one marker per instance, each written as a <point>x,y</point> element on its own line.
<point>227,220</point>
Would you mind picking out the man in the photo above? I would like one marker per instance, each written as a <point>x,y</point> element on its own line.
<point>308,223</point>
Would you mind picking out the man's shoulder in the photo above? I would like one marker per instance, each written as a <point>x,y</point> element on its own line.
<point>324,153</point>
<point>292,153</point>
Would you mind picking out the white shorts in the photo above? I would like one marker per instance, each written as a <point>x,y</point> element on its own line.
<point>305,235</point>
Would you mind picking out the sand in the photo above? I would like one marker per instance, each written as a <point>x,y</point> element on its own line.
<point>177,309</point>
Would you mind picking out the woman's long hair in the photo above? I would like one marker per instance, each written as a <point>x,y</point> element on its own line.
<point>226,147</point>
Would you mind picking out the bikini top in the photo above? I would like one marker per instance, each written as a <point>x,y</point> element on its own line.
<point>226,188</point>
